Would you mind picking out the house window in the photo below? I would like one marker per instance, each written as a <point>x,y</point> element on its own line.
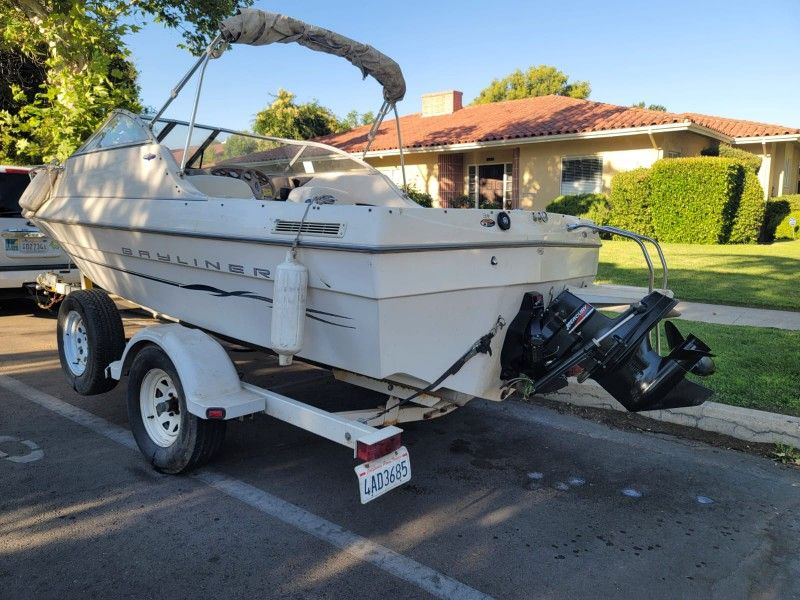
<point>490,185</point>
<point>395,174</point>
<point>581,175</point>
<point>472,187</point>
<point>672,154</point>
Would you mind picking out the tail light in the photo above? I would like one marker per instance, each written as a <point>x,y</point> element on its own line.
<point>216,414</point>
<point>367,452</point>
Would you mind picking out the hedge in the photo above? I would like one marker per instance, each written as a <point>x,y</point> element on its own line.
<point>748,159</point>
<point>776,220</point>
<point>750,213</point>
<point>587,206</point>
<point>776,210</point>
<point>694,200</point>
<point>784,231</point>
<point>630,201</point>
<point>790,208</point>
<point>422,198</point>
<point>462,202</point>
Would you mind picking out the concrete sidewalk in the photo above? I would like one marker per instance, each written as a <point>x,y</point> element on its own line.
<point>735,315</point>
<point>739,315</point>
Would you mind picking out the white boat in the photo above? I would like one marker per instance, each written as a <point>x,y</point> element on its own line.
<point>452,303</point>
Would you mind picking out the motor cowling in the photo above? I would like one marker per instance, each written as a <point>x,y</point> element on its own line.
<point>571,337</point>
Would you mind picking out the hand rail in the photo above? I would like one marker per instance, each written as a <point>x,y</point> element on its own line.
<point>639,239</point>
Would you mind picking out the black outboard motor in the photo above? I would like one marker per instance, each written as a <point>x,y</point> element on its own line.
<point>571,337</point>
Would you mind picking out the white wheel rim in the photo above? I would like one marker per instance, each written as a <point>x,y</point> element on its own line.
<point>158,402</point>
<point>76,343</point>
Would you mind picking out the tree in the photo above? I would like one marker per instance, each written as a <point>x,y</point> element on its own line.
<point>239,145</point>
<point>287,119</point>
<point>83,67</point>
<point>355,119</point>
<point>658,107</point>
<point>542,80</point>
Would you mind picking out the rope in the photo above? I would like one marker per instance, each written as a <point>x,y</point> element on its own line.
<point>296,241</point>
<point>482,346</point>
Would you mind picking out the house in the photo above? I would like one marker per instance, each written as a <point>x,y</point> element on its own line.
<point>523,153</point>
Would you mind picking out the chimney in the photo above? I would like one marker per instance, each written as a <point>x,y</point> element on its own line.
<point>441,103</point>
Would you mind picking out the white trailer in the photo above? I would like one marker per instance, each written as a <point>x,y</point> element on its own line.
<point>183,387</point>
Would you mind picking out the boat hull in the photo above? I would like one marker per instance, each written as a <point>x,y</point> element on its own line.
<point>399,314</point>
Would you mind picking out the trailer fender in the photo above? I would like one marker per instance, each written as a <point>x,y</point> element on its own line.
<point>207,374</point>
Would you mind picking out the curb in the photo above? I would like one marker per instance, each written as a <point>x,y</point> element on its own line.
<point>746,424</point>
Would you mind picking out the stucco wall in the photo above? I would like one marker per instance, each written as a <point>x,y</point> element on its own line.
<point>783,162</point>
<point>540,163</point>
<point>793,179</point>
<point>683,142</point>
<point>422,171</point>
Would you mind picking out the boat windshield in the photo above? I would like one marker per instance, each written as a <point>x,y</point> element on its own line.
<point>212,147</point>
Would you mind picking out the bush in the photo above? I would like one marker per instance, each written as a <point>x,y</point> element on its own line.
<point>587,206</point>
<point>462,202</point>
<point>785,231</point>
<point>694,200</point>
<point>749,221</point>
<point>630,201</point>
<point>748,159</point>
<point>490,205</point>
<point>421,198</point>
<point>776,210</point>
<point>776,220</point>
<point>750,214</point>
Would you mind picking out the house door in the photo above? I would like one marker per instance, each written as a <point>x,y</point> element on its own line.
<point>490,185</point>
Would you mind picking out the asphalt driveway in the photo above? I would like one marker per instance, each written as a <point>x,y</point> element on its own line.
<point>506,500</point>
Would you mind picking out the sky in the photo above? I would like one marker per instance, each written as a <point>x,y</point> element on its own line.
<point>730,58</point>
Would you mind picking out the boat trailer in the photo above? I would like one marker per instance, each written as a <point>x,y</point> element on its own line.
<point>183,386</point>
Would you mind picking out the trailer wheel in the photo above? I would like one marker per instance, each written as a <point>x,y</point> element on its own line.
<point>172,439</point>
<point>90,336</point>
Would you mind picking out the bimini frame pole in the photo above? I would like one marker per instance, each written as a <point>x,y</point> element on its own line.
<point>185,79</point>
<point>384,110</point>
<point>185,156</point>
<point>212,50</point>
<point>400,146</point>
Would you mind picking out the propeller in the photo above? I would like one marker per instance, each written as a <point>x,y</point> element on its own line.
<point>674,337</point>
<point>687,349</point>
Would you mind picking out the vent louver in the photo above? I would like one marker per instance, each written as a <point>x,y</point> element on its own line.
<point>310,228</point>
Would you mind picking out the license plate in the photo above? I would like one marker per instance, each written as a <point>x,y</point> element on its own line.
<point>31,247</point>
<point>377,477</point>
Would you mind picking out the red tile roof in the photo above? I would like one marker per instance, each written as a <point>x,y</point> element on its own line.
<point>533,117</point>
<point>738,128</point>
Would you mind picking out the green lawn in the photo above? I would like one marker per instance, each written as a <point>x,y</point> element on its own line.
<point>756,367</point>
<point>765,276</point>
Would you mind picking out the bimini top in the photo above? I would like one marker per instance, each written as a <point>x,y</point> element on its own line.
<point>258,27</point>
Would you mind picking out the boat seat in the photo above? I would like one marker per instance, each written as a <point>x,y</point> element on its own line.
<point>281,187</point>
<point>220,187</point>
<point>306,193</point>
<point>351,188</point>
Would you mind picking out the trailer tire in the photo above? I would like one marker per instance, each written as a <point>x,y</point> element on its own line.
<point>172,439</point>
<point>90,336</point>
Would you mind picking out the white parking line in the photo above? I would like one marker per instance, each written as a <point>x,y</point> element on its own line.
<point>392,562</point>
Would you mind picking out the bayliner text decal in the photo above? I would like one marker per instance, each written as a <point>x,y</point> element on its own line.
<point>200,263</point>
<point>311,313</point>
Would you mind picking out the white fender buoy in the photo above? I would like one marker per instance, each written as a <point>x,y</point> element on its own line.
<point>289,308</point>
